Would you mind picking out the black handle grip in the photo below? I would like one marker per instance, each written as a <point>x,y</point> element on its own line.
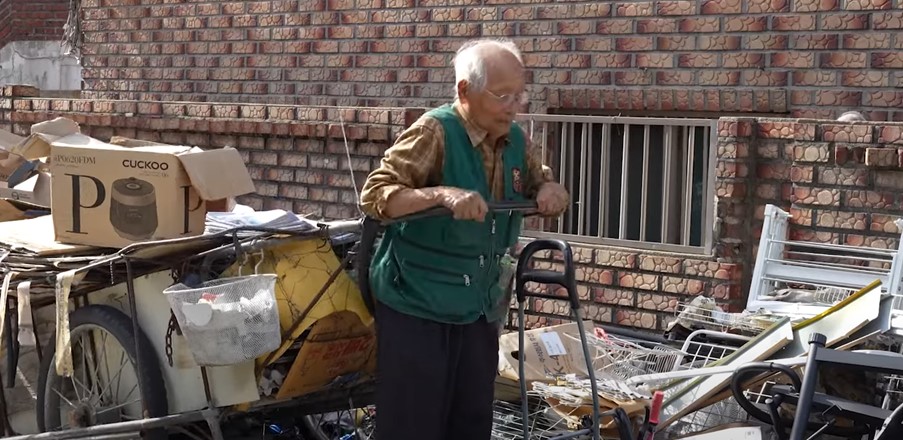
<point>441,210</point>
<point>566,279</point>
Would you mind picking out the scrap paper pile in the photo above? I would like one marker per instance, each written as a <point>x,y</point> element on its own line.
<point>273,219</point>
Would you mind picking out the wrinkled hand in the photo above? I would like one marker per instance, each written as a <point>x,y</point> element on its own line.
<point>464,204</point>
<point>552,199</point>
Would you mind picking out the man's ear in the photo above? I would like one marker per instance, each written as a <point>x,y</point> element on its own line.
<point>463,87</point>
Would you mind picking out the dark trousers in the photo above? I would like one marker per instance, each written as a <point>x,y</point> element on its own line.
<point>434,381</point>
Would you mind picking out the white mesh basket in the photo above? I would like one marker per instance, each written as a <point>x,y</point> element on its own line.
<point>229,320</point>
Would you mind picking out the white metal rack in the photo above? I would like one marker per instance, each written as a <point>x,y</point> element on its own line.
<point>802,278</point>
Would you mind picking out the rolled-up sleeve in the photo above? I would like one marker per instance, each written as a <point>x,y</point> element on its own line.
<point>412,162</point>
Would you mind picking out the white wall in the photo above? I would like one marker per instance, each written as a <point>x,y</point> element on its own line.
<point>40,64</point>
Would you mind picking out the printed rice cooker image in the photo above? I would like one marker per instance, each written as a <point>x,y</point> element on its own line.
<point>133,209</point>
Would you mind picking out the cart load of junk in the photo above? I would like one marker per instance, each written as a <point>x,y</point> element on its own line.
<point>141,300</point>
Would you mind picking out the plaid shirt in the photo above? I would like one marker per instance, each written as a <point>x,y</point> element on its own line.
<point>416,161</point>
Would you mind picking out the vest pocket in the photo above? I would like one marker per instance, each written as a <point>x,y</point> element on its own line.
<point>440,274</point>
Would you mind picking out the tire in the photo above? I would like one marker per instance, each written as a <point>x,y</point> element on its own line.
<point>151,385</point>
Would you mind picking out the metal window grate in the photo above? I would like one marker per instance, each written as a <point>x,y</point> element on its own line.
<point>641,182</point>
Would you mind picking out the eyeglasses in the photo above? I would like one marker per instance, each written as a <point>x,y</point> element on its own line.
<point>509,100</point>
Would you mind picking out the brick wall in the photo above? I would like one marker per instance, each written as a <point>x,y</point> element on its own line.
<point>842,182</point>
<point>803,58</point>
<point>32,20</point>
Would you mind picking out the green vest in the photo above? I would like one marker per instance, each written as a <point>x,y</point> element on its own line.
<point>447,270</point>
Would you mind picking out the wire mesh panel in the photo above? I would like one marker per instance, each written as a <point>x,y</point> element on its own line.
<point>702,348</point>
<point>508,421</point>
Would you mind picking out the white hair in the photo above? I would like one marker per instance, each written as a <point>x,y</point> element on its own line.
<point>852,116</point>
<point>470,62</point>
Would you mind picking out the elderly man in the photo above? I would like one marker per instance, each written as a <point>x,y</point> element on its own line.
<point>436,281</point>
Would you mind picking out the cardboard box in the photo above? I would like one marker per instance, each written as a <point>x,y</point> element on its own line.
<point>112,196</point>
<point>551,352</point>
<point>34,191</point>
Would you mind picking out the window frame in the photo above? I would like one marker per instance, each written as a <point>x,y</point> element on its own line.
<point>531,122</point>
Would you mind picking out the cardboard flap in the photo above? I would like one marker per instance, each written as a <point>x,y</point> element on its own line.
<point>43,134</point>
<point>217,174</point>
<point>8,140</point>
<point>9,162</point>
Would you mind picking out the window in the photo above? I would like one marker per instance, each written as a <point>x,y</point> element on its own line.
<point>638,182</point>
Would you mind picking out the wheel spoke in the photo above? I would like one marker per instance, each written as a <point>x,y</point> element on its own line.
<point>102,401</point>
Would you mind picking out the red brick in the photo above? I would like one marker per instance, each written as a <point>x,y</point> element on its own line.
<point>611,60</point>
<point>815,78</point>
<point>797,60</point>
<point>844,21</point>
<point>719,78</point>
<point>764,41</point>
<point>615,26</point>
<point>700,24</point>
<point>843,60</point>
<point>816,5</point>
<point>888,20</point>
<point>652,60</point>
<point>743,60</point>
<point>793,22</point>
<point>868,4</point>
<point>633,44</point>
<point>698,60</point>
<point>719,42</point>
<point>656,25</point>
<point>887,60</point>
<point>837,98</point>
<point>768,6</point>
<point>676,43</point>
<point>676,7</point>
<point>745,24</point>
<point>865,78</point>
<point>883,98</point>
<point>635,9</point>
<point>867,41</point>
<point>814,42</point>
<point>673,78</point>
<point>716,7</point>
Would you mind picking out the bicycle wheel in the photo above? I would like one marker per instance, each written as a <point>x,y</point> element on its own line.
<point>102,390</point>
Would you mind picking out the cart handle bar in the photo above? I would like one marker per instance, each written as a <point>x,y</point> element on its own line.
<point>528,207</point>
<point>566,279</point>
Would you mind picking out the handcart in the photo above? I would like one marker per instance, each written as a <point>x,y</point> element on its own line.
<point>118,384</point>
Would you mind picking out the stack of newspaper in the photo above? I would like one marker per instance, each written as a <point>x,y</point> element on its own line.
<point>274,219</point>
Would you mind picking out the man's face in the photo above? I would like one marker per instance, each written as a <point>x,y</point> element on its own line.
<point>495,107</point>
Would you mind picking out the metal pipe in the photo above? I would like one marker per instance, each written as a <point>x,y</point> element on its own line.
<point>625,172</point>
<point>605,153</point>
<point>581,182</point>
<point>687,209</point>
<point>136,331</point>
<point>115,428</point>
<point>591,371</point>
<point>666,185</point>
<point>644,193</point>
<point>563,164</point>
<point>807,391</point>
<point>588,166</point>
